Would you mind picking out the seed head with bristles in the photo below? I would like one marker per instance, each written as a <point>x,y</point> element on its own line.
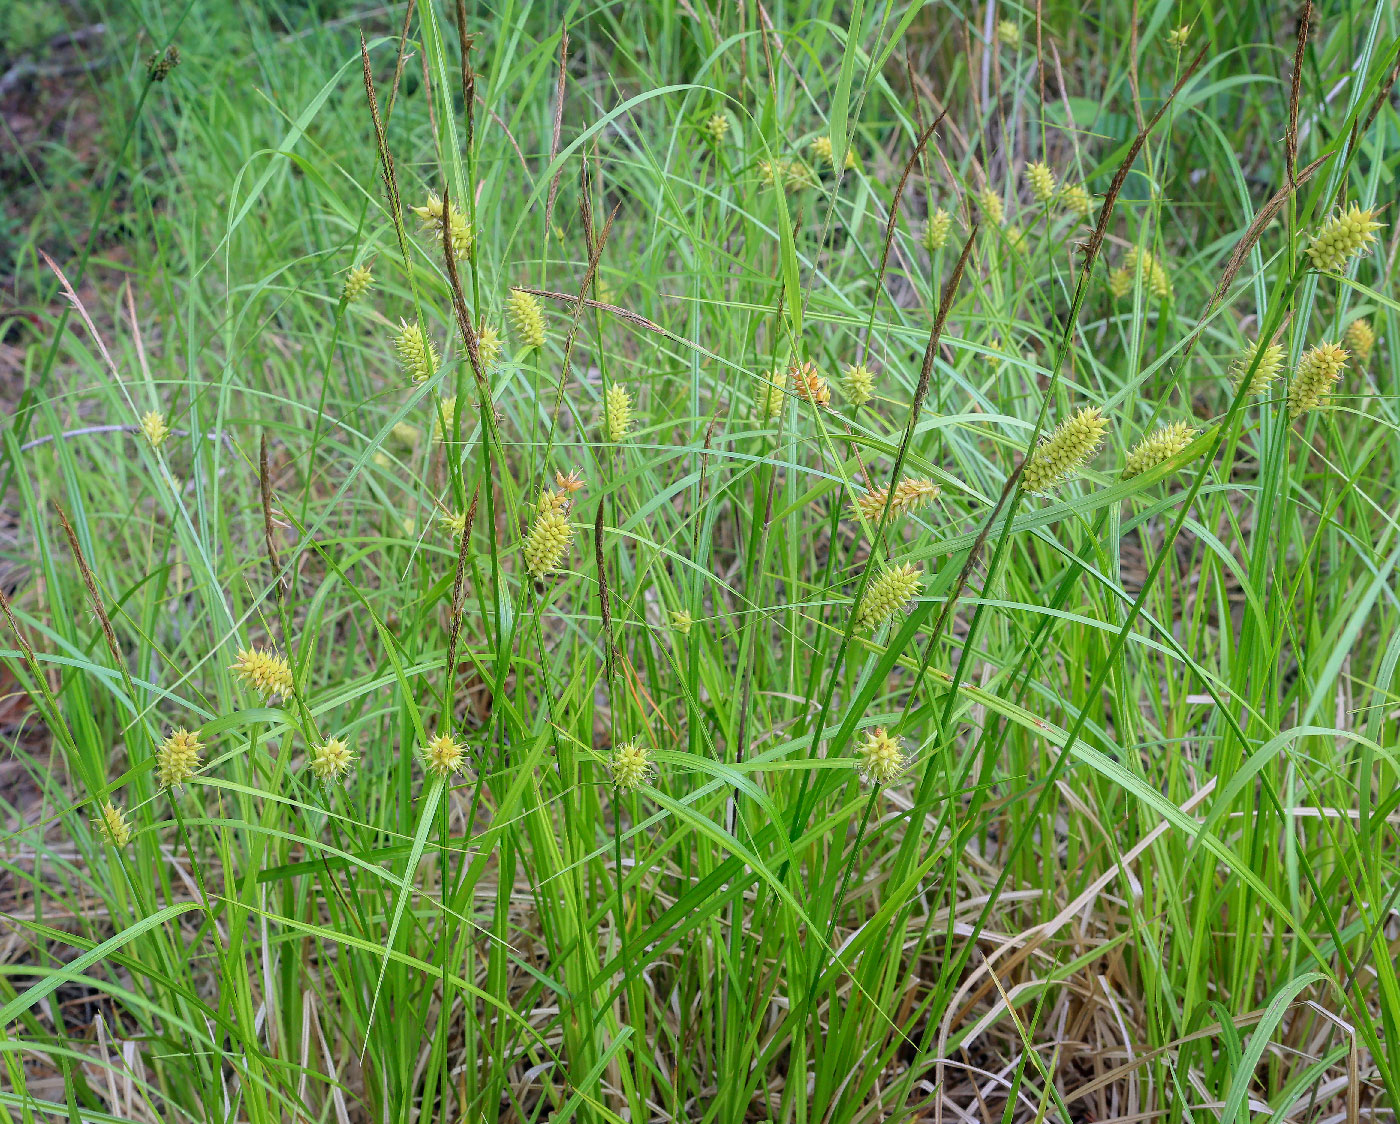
<point>1178,37</point>
<point>1042,181</point>
<point>568,485</point>
<point>936,231</point>
<point>1120,283</point>
<point>266,673</point>
<point>1061,455</point>
<point>889,593</point>
<point>881,757</point>
<point>357,284</point>
<point>909,495</point>
<point>1342,237</point>
<point>1270,363</point>
<point>630,765</point>
<point>1360,338</point>
<point>549,538</point>
<point>459,230</point>
<point>330,760</point>
<point>808,384</point>
<point>1317,373</point>
<point>444,421</point>
<point>443,756</point>
<point>857,383</point>
<point>821,150</point>
<point>418,358</point>
<point>526,317</point>
<point>681,621</point>
<point>619,412</point>
<point>1155,278</point>
<point>715,127</point>
<point>177,758</point>
<point>154,427</point>
<point>454,521</point>
<point>1009,32</point>
<point>1159,446</point>
<point>1075,199</point>
<point>768,394</point>
<point>990,204</point>
<point>488,346</point>
<point>112,825</point>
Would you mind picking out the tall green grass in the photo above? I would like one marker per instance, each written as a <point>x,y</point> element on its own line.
<point>1142,862</point>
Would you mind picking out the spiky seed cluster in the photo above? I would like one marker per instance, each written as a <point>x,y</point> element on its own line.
<point>488,346</point>
<point>266,673</point>
<point>1061,455</point>
<point>990,204</point>
<point>891,591</point>
<point>459,230</point>
<point>549,537</point>
<point>768,394</point>
<point>159,66</point>
<point>1317,372</point>
<point>1270,363</point>
<point>112,825</point>
<point>808,384</point>
<point>909,495</point>
<point>1342,237</point>
<point>1360,338</point>
<point>177,758</point>
<point>454,521</point>
<point>1155,278</point>
<point>418,358</point>
<point>526,317</point>
<point>821,151</point>
<point>681,621</point>
<point>154,427</point>
<point>881,757</point>
<point>445,419</point>
<point>630,765</point>
<point>1158,446</point>
<point>1120,283</point>
<point>1075,199</point>
<point>1178,37</point>
<point>857,384</point>
<point>331,760</point>
<point>790,175</point>
<point>1014,235</point>
<point>619,404</point>
<point>443,755</point>
<point>1042,181</point>
<point>568,485</point>
<point>936,231</point>
<point>357,283</point>
<point>716,126</point>
<point>1009,32</point>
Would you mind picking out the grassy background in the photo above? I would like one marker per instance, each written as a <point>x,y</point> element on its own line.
<point>1143,861</point>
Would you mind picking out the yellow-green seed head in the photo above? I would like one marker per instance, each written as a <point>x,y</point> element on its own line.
<point>331,760</point>
<point>526,317</point>
<point>881,757</point>
<point>857,384</point>
<point>445,419</point>
<point>1360,338</point>
<point>821,150</point>
<point>989,202</point>
<point>154,427</point>
<point>1015,235</point>
<point>266,673</point>
<point>454,521</point>
<point>1075,199</point>
<point>1318,372</point>
<point>1343,237</point>
<point>936,231</point>
<point>909,495</point>
<point>1064,452</point>
<point>681,621</point>
<point>112,825</point>
<point>443,756</point>
<point>1042,181</point>
<point>418,358</point>
<point>1155,278</point>
<point>1009,32</point>
<point>1159,446</point>
<point>1120,283</point>
<point>1270,363</point>
<point>488,346</point>
<point>459,229</point>
<point>808,384</point>
<point>630,765</point>
<point>890,593</point>
<point>768,394</point>
<point>1178,37</point>
<point>357,284</point>
<point>549,538</point>
<point>177,758</point>
<point>619,411</point>
<point>715,127</point>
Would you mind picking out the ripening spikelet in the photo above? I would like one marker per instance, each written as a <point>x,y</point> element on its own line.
<point>357,283</point>
<point>909,495</point>
<point>112,825</point>
<point>177,758</point>
<point>1014,235</point>
<point>821,150</point>
<point>990,204</point>
<point>770,172</point>
<point>454,521</point>
<point>488,346</point>
<point>526,317</point>
<point>266,673</point>
<point>567,485</point>
<point>1120,283</point>
<point>1342,237</point>
<point>891,591</point>
<point>549,537</point>
<point>1161,445</point>
<point>681,621</point>
<point>446,420</point>
<point>418,358</point>
<point>716,126</point>
<point>1360,338</point>
<point>796,175</point>
<point>406,432</point>
<point>1154,275</point>
<point>1042,181</point>
<point>857,383</point>
<point>808,384</point>
<point>1009,32</point>
<point>630,765</point>
<point>1060,455</point>
<point>443,755</point>
<point>1264,374</point>
<point>154,427</point>
<point>936,230</point>
<point>459,230</point>
<point>1178,37</point>
<point>768,394</point>
<point>1075,199</point>
<point>619,404</point>
<point>331,760</point>
<point>1318,371</point>
<point>881,757</point>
